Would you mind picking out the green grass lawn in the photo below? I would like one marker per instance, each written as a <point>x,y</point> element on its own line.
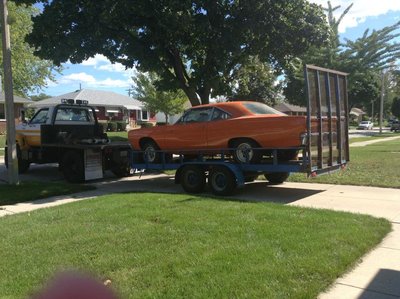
<point>118,136</point>
<point>376,165</point>
<point>27,191</point>
<point>373,137</point>
<point>181,246</point>
<point>2,144</point>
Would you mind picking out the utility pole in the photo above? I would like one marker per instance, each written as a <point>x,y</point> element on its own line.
<point>9,98</point>
<point>372,112</point>
<point>381,106</point>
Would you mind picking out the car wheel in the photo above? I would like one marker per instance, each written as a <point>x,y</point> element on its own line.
<point>121,170</point>
<point>245,151</point>
<point>276,178</point>
<point>221,181</point>
<point>193,179</point>
<point>150,152</point>
<point>250,177</point>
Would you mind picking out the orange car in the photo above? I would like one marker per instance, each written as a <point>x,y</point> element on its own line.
<point>239,126</point>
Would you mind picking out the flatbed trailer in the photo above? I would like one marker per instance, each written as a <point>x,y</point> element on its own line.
<point>326,149</point>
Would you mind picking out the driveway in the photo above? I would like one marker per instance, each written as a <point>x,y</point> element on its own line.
<point>377,275</point>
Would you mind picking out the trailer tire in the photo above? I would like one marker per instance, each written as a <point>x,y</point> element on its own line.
<point>23,165</point>
<point>150,154</point>
<point>193,179</point>
<point>72,167</point>
<point>244,151</point>
<point>276,178</point>
<point>221,181</point>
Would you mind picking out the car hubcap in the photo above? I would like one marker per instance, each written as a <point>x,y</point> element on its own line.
<point>150,154</point>
<point>244,152</point>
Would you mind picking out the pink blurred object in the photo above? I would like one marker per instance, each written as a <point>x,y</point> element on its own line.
<point>74,285</point>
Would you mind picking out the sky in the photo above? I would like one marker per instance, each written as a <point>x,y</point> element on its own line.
<point>98,73</point>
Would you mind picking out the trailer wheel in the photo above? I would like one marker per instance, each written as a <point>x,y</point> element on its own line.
<point>244,151</point>
<point>23,165</point>
<point>222,181</point>
<point>150,154</point>
<point>276,178</point>
<point>72,167</point>
<point>193,179</point>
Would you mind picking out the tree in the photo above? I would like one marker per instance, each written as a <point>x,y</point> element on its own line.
<point>255,81</point>
<point>39,97</point>
<point>30,73</point>
<point>167,102</point>
<point>192,45</point>
<point>364,59</point>
<point>396,107</point>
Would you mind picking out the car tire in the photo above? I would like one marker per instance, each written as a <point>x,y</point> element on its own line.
<point>221,181</point>
<point>72,166</point>
<point>150,152</point>
<point>193,179</point>
<point>276,178</point>
<point>121,170</point>
<point>245,151</point>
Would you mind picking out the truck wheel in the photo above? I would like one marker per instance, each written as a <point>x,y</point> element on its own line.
<point>221,181</point>
<point>150,154</point>
<point>121,170</point>
<point>72,167</point>
<point>250,177</point>
<point>276,178</point>
<point>193,179</point>
<point>244,151</point>
<point>23,165</point>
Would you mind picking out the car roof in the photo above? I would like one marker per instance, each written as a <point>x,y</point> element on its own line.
<point>235,108</point>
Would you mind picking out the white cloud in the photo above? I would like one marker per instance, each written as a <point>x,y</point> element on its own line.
<point>360,10</point>
<point>96,60</point>
<point>87,80</point>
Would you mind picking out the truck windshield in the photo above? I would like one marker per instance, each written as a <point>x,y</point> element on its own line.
<point>74,114</point>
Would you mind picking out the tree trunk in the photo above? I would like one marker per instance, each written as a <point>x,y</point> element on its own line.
<point>166,118</point>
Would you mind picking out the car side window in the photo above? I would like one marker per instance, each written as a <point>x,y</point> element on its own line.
<point>218,114</point>
<point>197,115</point>
<point>40,117</point>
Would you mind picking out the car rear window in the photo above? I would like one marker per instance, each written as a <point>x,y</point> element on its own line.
<point>259,108</point>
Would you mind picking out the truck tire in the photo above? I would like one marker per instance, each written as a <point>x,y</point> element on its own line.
<point>244,151</point>
<point>221,181</point>
<point>121,170</point>
<point>276,178</point>
<point>193,179</point>
<point>72,167</point>
<point>23,165</point>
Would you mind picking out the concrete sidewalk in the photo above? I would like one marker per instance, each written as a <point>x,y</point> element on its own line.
<point>368,142</point>
<point>377,275</point>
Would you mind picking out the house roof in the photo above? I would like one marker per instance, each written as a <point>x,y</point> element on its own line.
<point>357,111</point>
<point>285,107</point>
<point>95,98</point>
<point>17,99</point>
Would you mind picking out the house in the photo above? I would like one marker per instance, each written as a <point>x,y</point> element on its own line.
<point>356,114</point>
<point>109,106</point>
<point>18,110</point>
<point>290,109</point>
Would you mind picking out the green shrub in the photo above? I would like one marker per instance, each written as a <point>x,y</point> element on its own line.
<point>146,125</point>
<point>112,126</point>
<point>121,126</point>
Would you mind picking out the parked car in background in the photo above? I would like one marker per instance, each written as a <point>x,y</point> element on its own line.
<point>395,126</point>
<point>241,127</point>
<point>365,125</point>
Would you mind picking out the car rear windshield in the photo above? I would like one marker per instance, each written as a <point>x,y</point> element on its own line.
<point>259,108</point>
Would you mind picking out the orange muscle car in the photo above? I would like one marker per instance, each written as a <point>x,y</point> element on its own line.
<point>241,127</point>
